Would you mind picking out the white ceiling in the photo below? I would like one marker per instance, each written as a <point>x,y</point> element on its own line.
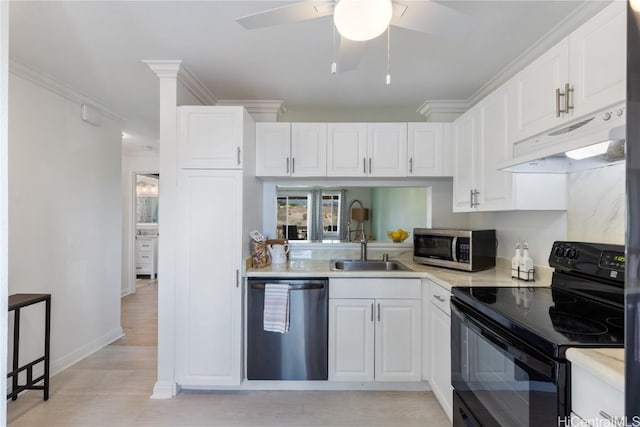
<point>97,47</point>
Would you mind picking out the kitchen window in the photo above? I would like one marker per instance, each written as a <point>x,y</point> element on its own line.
<point>315,214</point>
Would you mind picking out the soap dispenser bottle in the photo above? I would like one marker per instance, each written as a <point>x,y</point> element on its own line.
<point>515,262</point>
<point>526,264</point>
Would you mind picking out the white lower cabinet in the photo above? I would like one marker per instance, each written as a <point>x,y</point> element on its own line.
<point>440,345</point>
<point>594,400</point>
<point>374,330</point>
<point>208,293</point>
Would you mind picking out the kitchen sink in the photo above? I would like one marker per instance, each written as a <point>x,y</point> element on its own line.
<point>359,265</point>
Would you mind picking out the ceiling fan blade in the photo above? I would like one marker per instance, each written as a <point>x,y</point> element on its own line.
<point>296,12</point>
<point>432,18</point>
<point>351,53</point>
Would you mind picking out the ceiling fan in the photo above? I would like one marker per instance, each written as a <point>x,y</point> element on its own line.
<point>425,16</point>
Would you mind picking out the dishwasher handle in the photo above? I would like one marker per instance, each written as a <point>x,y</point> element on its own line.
<point>302,287</point>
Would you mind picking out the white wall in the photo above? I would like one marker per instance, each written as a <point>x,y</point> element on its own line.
<point>131,165</point>
<point>4,86</point>
<point>331,114</point>
<point>64,221</point>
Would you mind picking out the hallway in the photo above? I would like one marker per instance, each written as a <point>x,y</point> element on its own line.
<point>112,388</point>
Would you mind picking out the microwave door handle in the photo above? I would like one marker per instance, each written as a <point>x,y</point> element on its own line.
<point>514,349</point>
<point>454,245</point>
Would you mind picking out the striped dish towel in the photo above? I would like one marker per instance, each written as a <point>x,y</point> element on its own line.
<point>276,308</point>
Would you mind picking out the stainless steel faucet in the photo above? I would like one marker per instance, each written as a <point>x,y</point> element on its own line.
<point>363,246</point>
<point>349,230</point>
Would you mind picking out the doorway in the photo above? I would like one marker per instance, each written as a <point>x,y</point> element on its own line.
<point>145,230</point>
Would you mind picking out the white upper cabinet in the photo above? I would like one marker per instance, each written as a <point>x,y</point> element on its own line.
<point>387,149</point>
<point>481,143</point>
<point>347,149</point>
<point>291,149</point>
<point>212,137</point>
<point>597,58</point>
<point>466,136</point>
<point>535,93</point>
<point>426,149</point>
<point>583,73</point>
<point>493,186</point>
<point>273,149</point>
<point>361,150</point>
<point>308,149</point>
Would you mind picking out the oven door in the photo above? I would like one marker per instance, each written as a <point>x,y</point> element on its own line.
<point>500,380</point>
<point>432,246</point>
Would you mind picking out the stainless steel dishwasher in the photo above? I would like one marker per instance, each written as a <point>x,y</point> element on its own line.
<point>302,352</point>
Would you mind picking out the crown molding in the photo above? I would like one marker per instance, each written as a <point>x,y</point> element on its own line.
<point>257,106</point>
<point>561,30</point>
<point>445,106</point>
<point>164,69</point>
<point>194,85</point>
<point>52,85</point>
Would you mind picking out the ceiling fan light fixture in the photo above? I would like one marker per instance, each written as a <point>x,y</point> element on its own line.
<point>361,20</point>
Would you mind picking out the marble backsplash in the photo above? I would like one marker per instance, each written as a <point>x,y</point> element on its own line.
<point>597,205</point>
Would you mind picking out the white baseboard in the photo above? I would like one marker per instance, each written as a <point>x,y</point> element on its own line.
<point>319,385</point>
<point>78,354</point>
<point>163,390</point>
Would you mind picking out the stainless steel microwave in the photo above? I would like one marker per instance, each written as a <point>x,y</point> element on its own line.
<point>468,250</point>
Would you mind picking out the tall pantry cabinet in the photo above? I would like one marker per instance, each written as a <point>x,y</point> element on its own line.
<point>220,200</point>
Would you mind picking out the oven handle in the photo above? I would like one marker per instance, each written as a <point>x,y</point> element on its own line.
<point>518,350</point>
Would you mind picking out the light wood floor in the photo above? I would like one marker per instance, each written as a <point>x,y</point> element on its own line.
<point>112,387</point>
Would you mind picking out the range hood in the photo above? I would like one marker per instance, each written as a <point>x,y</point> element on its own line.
<point>553,151</point>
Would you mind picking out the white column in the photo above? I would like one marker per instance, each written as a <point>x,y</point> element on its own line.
<point>167,72</point>
<point>4,196</point>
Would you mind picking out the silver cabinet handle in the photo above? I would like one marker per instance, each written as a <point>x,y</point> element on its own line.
<point>567,99</point>
<point>369,165</point>
<point>293,165</point>
<point>237,278</point>
<point>287,165</point>
<point>439,298</point>
<point>372,312</point>
<point>410,164</point>
<point>471,197</point>
<point>558,110</point>
<point>238,156</point>
<point>378,312</point>
<point>474,198</point>
<point>364,165</point>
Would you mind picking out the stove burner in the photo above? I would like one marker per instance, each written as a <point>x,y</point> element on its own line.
<point>618,322</point>
<point>575,325</point>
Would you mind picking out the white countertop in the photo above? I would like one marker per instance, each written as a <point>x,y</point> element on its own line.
<point>604,363</point>
<point>447,278</point>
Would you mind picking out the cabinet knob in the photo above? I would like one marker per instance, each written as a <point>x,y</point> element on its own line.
<point>606,116</point>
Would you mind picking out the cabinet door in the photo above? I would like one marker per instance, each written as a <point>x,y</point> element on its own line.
<point>273,149</point>
<point>425,149</point>
<point>387,149</point>
<point>351,340</point>
<point>441,359</point>
<point>597,61</point>
<point>208,296</point>
<point>533,93</point>
<point>397,340</point>
<point>465,140</point>
<point>308,149</point>
<point>210,137</point>
<point>346,149</point>
<point>494,186</point>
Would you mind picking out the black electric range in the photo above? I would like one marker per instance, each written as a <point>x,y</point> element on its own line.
<point>509,344</point>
